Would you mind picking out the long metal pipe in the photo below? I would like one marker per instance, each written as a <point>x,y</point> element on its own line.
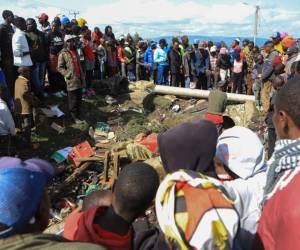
<point>167,90</point>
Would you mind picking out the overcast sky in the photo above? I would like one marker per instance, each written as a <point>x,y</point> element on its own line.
<point>172,17</point>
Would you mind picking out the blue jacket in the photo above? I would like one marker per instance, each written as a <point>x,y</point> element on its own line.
<point>148,57</point>
<point>199,63</point>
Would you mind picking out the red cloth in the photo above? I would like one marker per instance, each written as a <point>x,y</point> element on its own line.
<point>150,142</point>
<point>79,226</point>
<point>279,223</point>
<point>88,50</point>
<point>216,119</point>
<point>277,60</point>
<point>75,62</point>
<point>96,37</point>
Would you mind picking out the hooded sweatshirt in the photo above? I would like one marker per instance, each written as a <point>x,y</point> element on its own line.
<point>80,226</point>
<point>242,153</point>
<point>190,146</point>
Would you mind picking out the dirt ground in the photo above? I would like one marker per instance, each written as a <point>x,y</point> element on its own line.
<point>134,113</point>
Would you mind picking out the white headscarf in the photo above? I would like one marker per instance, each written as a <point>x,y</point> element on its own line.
<point>241,151</point>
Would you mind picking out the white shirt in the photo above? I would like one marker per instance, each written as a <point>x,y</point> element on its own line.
<point>7,124</point>
<point>20,46</point>
<point>247,196</point>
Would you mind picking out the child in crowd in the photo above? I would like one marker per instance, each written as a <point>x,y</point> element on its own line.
<point>69,66</point>
<point>110,226</point>
<point>24,101</point>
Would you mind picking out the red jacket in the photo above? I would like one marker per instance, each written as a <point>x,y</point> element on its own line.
<point>121,54</point>
<point>278,227</point>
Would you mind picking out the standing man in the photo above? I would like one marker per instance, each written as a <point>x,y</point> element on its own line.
<point>121,56</point>
<point>256,77</point>
<point>247,50</point>
<point>200,66</point>
<point>161,58</point>
<point>69,66</point>
<point>6,51</point>
<point>39,56</point>
<point>175,65</point>
<point>267,74</point>
<point>20,45</point>
<point>213,57</point>
<point>43,21</point>
<point>148,60</point>
<point>55,43</point>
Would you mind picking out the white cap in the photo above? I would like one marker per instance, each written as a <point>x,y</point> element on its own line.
<point>241,151</point>
<point>213,49</point>
<point>237,39</point>
<point>69,37</point>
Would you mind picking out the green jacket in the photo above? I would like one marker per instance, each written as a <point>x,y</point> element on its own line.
<point>217,101</point>
<point>66,68</point>
<point>45,242</point>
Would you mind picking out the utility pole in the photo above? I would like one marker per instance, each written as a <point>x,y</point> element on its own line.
<point>74,13</point>
<point>255,24</point>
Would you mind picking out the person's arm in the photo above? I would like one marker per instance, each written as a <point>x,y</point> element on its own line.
<point>17,46</point>
<point>8,119</point>
<point>61,65</point>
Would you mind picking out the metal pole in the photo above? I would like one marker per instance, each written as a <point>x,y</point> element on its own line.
<point>166,90</point>
<point>255,24</point>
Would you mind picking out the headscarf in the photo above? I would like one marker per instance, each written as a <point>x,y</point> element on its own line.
<point>241,151</point>
<point>190,145</point>
<point>194,213</point>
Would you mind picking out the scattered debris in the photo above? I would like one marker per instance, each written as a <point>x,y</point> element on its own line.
<point>111,135</point>
<point>61,155</point>
<point>55,109</point>
<point>58,128</point>
<point>110,100</point>
<point>176,108</point>
<point>81,150</point>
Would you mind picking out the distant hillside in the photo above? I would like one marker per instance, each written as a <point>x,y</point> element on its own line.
<point>227,40</point>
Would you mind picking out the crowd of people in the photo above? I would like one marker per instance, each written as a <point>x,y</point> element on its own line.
<point>218,190</point>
